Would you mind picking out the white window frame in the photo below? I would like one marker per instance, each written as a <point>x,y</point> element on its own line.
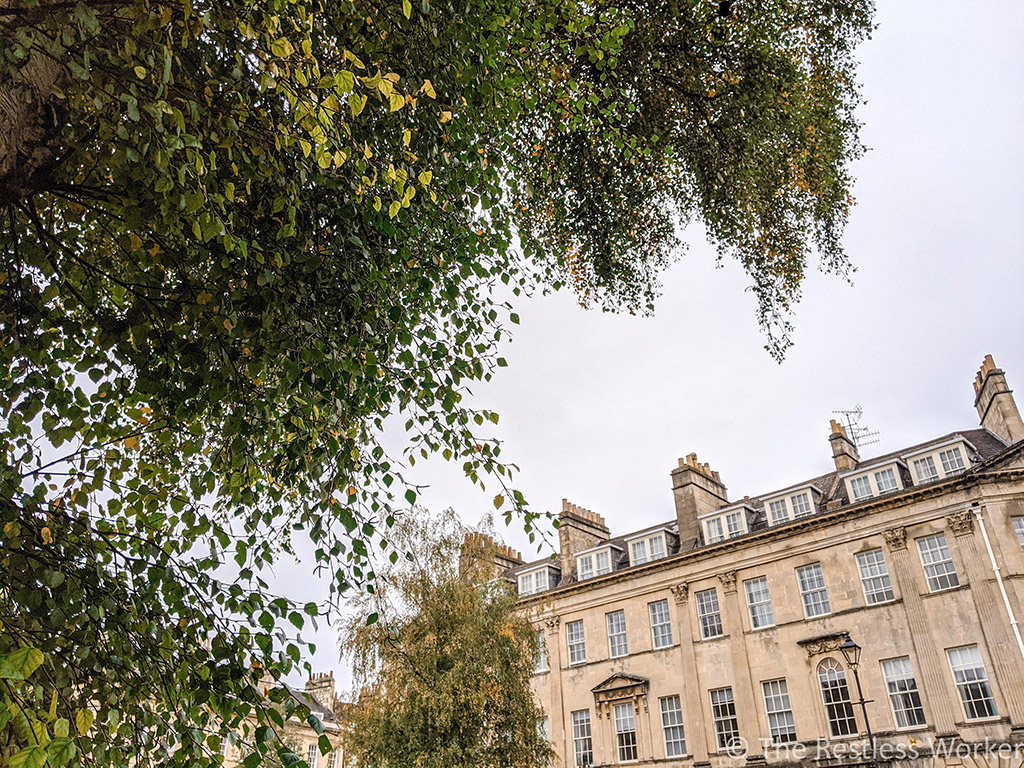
<point>946,460</point>
<point>759,603</point>
<point>539,580</point>
<point>735,524</point>
<point>778,512</point>
<point>540,660</point>
<point>713,537</point>
<point>618,641</point>
<point>642,550</point>
<point>661,624</point>
<point>582,738</point>
<point>952,460</point>
<point>813,594</point>
<point>625,732</point>
<point>971,680</point>
<point>576,642</point>
<point>835,696</point>
<point>1018,528</point>
<point>874,577</point>
<point>544,728</point>
<point>671,708</point>
<point>593,563</point>
<point>919,466</point>
<point>791,504</point>
<point>709,613</point>
<point>779,711</point>
<point>313,754</point>
<point>937,561</point>
<point>903,693</point>
<point>723,715</point>
<point>888,474</point>
<point>861,483</point>
<point>802,510</point>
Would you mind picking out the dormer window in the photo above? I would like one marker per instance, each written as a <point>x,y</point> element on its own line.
<point>924,470</point>
<point>727,523</point>
<point>867,483</point>
<point>940,461</point>
<point>650,547</point>
<point>537,580</point>
<point>794,504</point>
<point>861,488</point>
<point>714,530</point>
<point>885,480</point>
<point>593,563</point>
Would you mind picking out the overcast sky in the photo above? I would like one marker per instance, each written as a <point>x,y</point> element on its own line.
<point>597,408</point>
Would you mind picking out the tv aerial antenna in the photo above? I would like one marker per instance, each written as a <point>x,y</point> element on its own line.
<point>860,436</point>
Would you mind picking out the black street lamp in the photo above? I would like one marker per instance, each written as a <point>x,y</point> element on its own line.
<point>851,652</point>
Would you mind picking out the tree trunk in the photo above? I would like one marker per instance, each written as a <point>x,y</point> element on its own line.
<point>29,116</point>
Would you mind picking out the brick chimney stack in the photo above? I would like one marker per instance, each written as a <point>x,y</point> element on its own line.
<point>995,403</point>
<point>844,451</point>
<point>578,529</point>
<point>483,558</point>
<point>321,688</point>
<point>697,489</point>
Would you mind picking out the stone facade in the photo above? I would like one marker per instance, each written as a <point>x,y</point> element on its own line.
<point>916,558</point>
<point>320,698</point>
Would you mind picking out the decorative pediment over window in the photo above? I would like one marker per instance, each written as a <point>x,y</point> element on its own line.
<point>815,646</point>
<point>619,688</point>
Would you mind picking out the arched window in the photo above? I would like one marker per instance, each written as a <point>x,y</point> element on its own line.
<point>838,709</point>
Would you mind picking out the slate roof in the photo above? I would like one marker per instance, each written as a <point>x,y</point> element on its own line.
<point>314,705</point>
<point>832,489</point>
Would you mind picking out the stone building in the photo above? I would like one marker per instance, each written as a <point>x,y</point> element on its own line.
<point>714,638</point>
<point>320,698</point>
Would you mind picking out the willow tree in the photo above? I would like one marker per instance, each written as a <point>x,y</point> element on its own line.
<point>443,659</point>
<point>235,236</point>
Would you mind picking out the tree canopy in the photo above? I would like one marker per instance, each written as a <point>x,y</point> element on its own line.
<point>444,666</point>
<point>236,236</point>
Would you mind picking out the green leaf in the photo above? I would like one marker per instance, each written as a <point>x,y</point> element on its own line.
<point>21,663</point>
<point>344,81</point>
<point>407,8</point>
<point>281,48</point>
<point>61,751</point>
<point>315,723</point>
<point>30,757</point>
<point>356,103</point>
<point>83,721</point>
<point>61,727</point>
<point>397,101</point>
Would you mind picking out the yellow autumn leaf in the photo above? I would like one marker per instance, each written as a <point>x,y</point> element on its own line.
<point>428,88</point>
<point>46,535</point>
<point>131,443</point>
<point>446,116</point>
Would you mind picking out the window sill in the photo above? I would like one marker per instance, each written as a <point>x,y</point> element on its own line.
<point>984,721</point>
<point>946,591</point>
<point>713,639</point>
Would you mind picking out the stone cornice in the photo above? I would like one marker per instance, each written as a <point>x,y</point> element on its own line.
<point>905,498</point>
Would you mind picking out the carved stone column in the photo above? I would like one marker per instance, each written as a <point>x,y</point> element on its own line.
<point>558,719</point>
<point>992,616</point>
<point>694,721</point>
<point>733,609</point>
<point>929,661</point>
